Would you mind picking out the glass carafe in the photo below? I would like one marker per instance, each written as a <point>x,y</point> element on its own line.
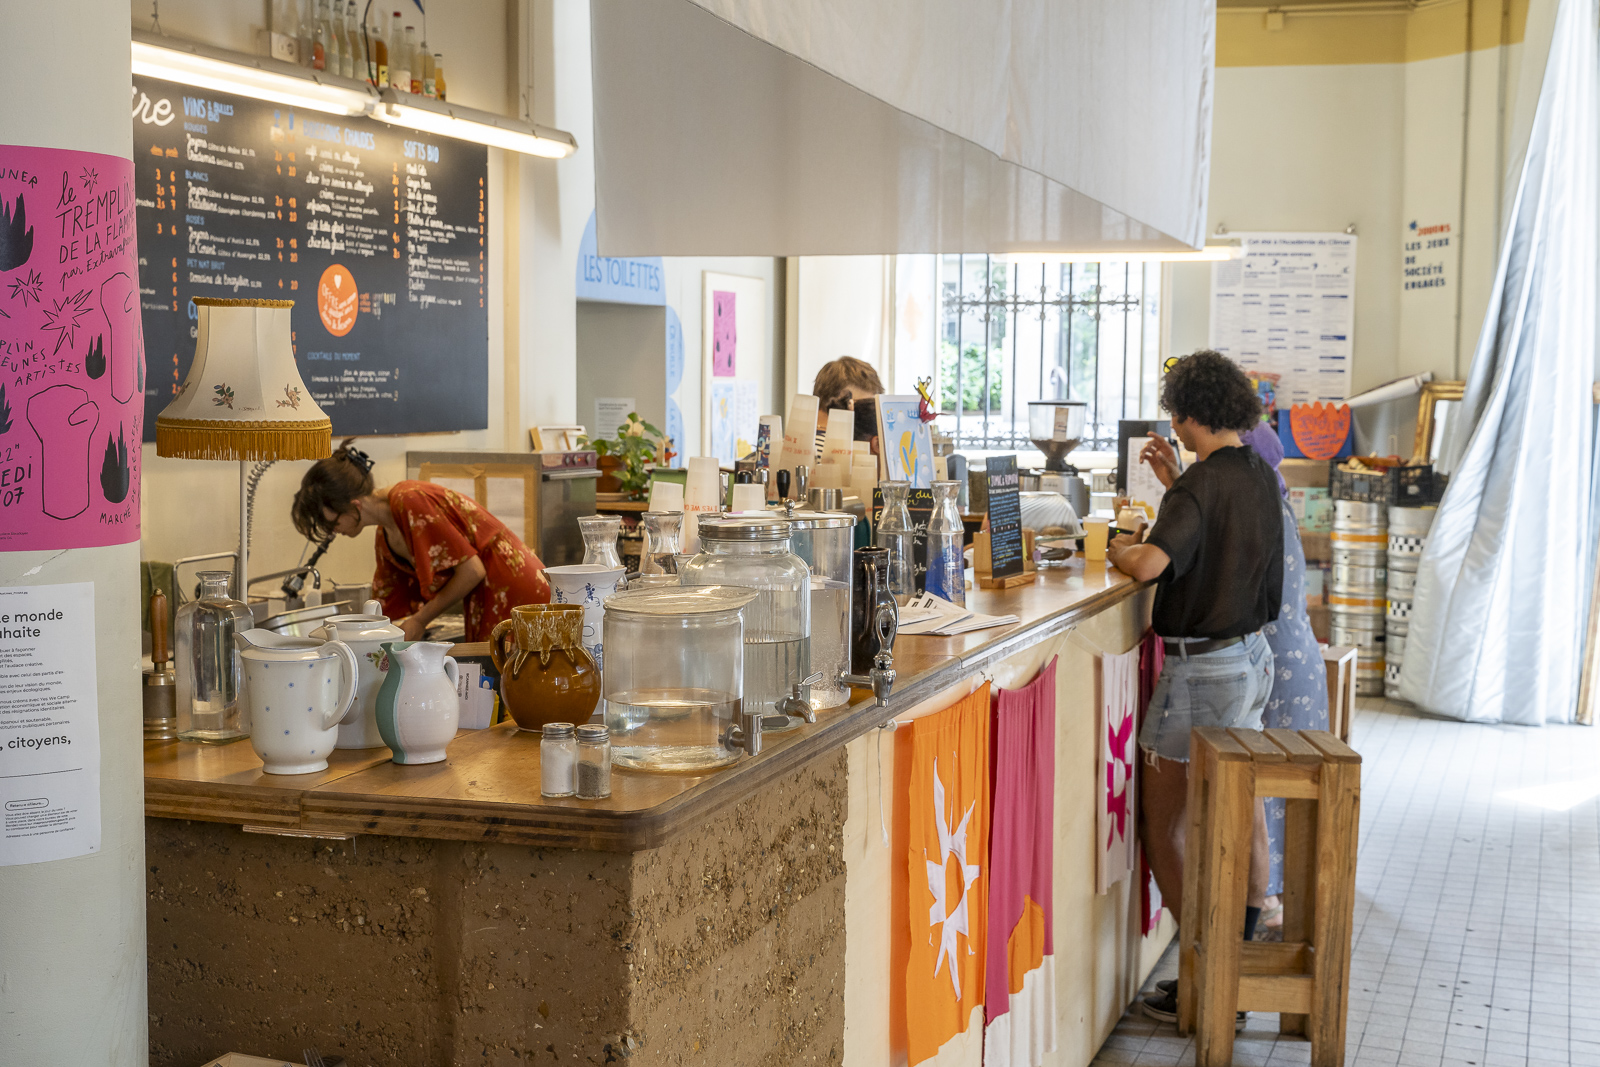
<point>600,539</point>
<point>753,553</point>
<point>661,542</point>
<point>673,678</point>
<point>823,539</point>
<point>895,533</point>
<point>210,678</point>
<point>947,566</point>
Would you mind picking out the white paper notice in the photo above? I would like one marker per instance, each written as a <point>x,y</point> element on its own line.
<point>1288,308</point>
<point>49,724</point>
<point>611,412</point>
<point>1143,485</point>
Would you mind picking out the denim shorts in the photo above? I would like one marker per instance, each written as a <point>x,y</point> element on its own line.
<point>1226,688</point>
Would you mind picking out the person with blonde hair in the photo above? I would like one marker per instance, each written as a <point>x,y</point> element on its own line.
<point>839,384</point>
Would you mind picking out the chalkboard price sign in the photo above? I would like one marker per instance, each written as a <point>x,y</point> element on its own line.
<point>1005,516</point>
<point>376,232</point>
<point>920,506</point>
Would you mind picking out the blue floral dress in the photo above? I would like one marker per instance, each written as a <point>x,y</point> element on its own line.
<point>1299,699</point>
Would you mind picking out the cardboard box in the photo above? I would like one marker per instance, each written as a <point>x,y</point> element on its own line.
<point>1312,507</point>
<point>1304,473</point>
<point>1320,619</point>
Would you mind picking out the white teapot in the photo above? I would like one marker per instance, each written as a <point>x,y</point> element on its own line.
<point>298,688</point>
<point>364,633</point>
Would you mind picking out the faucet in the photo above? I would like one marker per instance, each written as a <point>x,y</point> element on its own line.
<point>745,731</point>
<point>880,678</point>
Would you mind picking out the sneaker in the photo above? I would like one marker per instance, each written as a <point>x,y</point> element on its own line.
<point>1162,1006</point>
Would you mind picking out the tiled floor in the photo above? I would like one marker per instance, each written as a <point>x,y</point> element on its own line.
<point>1477,920</point>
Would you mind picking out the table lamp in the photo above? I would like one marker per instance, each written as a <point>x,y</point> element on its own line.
<point>243,400</point>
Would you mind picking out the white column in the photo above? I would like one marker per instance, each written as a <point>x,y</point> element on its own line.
<point>72,936</point>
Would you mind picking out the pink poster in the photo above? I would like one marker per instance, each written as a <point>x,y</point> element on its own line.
<point>71,351</point>
<point>724,335</point>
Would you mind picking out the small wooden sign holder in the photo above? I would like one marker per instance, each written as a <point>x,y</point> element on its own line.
<point>983,568</point>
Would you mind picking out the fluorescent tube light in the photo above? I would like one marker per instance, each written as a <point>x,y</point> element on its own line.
<point>469,124</point>
<point>1209,254</point>
<point>260,77</point>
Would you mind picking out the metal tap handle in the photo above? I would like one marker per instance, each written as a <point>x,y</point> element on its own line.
<point>887,622</point>
<point>745,733</point>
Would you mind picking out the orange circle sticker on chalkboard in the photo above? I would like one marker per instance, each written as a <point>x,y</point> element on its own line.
<point>337,299</point>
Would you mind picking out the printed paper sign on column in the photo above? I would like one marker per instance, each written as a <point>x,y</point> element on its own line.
<point>49,724</point>
<point>71,350</point>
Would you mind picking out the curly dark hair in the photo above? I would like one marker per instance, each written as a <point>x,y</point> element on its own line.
<point>334,483</point>
<point>1209,388</point>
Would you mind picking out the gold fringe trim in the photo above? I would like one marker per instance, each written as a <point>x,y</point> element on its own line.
<point>243,441</point>
<point>219,302</point>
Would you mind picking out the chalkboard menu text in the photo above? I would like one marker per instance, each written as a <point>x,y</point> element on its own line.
<point>1005,516</point>
<point>376,232</point>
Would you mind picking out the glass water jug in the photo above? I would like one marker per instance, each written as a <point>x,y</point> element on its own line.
<point>600,539</point>
<point>661,542</point>
<point>895,533</point>
<point>674,676</point>
<point>823,539</point>
<point>210,676</point>
<point>753,553</point>
<point>947,565</point>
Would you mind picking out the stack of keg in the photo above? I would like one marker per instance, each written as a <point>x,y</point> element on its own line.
<point>1408,531</point>
<point>1357,598</point>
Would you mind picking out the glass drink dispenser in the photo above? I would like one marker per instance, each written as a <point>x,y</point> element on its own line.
<point>823,539</point>
<point>674,677</point>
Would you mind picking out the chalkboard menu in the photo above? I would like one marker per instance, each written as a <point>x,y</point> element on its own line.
<point>1005,516</point>
<point>919,504</point>
<point>375,231</point>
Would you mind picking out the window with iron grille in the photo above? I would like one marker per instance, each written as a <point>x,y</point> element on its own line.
<point>1015,329</point>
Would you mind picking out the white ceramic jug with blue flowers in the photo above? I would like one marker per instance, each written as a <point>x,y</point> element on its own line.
<point>297,689</point>
<point>418,709</point>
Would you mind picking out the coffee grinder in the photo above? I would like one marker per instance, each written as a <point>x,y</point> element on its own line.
<point>1056,427</point>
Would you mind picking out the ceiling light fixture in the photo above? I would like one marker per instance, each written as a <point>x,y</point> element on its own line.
<point>264,78</point>
<point>469,124</point>
<point>260,77</point>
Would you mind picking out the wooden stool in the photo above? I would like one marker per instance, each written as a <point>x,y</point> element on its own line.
<point>1340,662</point>
<point>1307,977</point>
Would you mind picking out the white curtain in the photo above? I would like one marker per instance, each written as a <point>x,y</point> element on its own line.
<point>1503,585</point>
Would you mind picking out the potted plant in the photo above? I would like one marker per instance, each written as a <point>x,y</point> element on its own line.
<point>625,458</point>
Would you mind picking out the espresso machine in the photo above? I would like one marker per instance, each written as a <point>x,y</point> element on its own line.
<point>1056,427</point>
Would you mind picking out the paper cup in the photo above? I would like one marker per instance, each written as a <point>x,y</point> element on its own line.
<point>1095,534</point>
<point>666,496</point>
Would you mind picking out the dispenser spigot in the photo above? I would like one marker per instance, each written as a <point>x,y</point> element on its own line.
<point>745,732</point>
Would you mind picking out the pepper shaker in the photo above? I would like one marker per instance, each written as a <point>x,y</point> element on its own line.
<point>594,762</point>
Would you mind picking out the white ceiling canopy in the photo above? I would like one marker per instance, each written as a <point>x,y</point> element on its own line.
<point>814,127</point>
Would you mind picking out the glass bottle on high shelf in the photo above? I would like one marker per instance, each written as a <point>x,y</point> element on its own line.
<point>414,62</point>
<point>354,64</point>
<point>305,12</point>
<point>895,533</point>
<point>321,42</point>
<point>209,674</point>
<point>427,71</point>
<point>947,565</point>
<point>438,74</point>
<point>380,51</point>
<point>399,63</point>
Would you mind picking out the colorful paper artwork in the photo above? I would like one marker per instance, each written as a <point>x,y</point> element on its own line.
<point>906,441</point>
<point>724,334</point>
<point>1320,430</point>
<point>1117,763</point>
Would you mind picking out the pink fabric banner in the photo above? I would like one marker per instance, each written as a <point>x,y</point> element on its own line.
<point>1019,1008</point>
<point>71,350</point>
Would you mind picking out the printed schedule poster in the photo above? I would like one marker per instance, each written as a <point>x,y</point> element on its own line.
<point>1288,308</point>
<point>376,232</point>
<point>49,724</point>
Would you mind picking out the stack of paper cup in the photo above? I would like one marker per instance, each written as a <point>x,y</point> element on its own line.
<point>666,496</point>
<point>702,493</point>
<point>799,435</point>
<point>749,497</point>
<point>863,466</point>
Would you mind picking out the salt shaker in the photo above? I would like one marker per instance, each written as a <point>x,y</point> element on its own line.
<point>558,760</point>
<point>594,762</point>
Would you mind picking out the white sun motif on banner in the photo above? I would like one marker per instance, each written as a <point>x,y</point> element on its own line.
<point>950,921</point>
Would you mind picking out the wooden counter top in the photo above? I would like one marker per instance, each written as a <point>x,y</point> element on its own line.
<point>488,789</point>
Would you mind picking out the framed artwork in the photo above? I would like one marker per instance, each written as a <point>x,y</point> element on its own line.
<point>905,442</point>
<point>733,346</point>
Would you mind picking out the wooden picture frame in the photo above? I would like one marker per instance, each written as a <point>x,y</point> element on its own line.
<point>1427,407</point>
<point>554,438</point>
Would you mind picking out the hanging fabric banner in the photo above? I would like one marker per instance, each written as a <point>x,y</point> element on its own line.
<point>1116,766</point>
<point>1152,654</point>
<point>947,890</point>
<point>1020,995</point>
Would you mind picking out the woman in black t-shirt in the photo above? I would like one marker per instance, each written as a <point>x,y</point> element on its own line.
<point>1216,555</point>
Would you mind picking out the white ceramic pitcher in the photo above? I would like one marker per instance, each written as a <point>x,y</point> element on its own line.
<point>298,688</point>
<point>364,633</point>
<point>418,709</point>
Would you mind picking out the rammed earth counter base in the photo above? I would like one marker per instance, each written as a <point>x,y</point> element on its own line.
<point>447,914</point>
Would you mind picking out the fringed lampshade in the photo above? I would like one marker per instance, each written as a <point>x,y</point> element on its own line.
<point>244,398</point>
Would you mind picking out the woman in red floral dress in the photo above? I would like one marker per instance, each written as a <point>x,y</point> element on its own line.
<point>435,547</point>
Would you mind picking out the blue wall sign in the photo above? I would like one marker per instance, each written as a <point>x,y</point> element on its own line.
<point>617,281</point>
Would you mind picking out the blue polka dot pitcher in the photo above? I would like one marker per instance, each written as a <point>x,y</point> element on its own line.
<point>297,689</point>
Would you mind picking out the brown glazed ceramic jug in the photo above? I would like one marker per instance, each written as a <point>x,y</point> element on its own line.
<point>546,675</point>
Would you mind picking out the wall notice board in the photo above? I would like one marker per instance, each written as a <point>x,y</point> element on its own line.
<point>376,232</point>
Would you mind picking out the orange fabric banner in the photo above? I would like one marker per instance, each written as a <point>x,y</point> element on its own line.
<point>947,886</point>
